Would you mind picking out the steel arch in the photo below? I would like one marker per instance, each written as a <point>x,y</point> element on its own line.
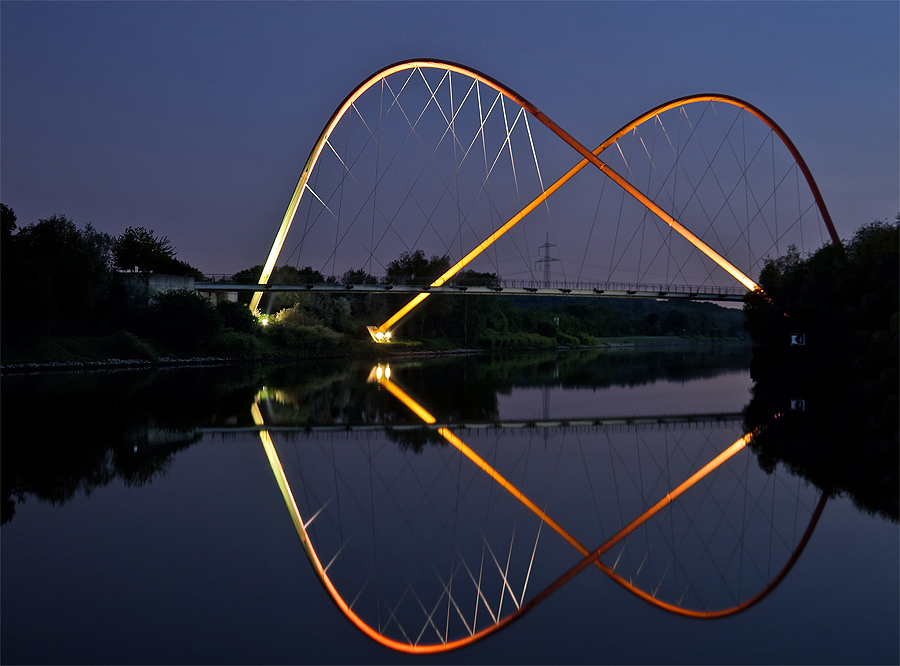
<point>339,113</point>
<point>587,155</point>
<point>746,106</point>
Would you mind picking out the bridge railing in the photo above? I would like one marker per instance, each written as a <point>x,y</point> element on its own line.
<point>497,284</point>
<point>600,287</point>
<point>220,278</point>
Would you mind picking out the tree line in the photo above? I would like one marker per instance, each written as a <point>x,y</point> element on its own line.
<point>112,417</point>
<point>825,366</point>
<point>484,322</point>
<point>60,282</point>
<point>57,275</point>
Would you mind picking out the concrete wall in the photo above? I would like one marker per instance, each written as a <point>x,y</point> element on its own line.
<point>147,285</point>
<point>218,296</point>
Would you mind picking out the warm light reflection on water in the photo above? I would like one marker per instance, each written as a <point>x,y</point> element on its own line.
<point>182,551</point>
<point>434,547</point>
<point>724,393</point>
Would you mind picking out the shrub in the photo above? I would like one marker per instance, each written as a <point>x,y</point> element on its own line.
<point>296,315</point>
<point>317,340</point>
<point>567,340</point>
<point>233,344</point>
<point>185,320</point>
<point>126,345</point>
<point>237,316</point>
<point>304,340</point>
<point>502,340</point>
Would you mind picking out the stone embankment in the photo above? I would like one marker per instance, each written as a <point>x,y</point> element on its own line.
<point>108,364</point>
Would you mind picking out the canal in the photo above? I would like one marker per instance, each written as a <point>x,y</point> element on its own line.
<point>593,506</point>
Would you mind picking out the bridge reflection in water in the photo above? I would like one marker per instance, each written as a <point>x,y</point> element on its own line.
<point>433,548</point>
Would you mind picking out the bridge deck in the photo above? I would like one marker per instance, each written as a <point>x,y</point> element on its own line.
<point>521,425</point>
<point>618,290</point>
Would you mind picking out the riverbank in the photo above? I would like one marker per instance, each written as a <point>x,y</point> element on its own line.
<point>86,353</point>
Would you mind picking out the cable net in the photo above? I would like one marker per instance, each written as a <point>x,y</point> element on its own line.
<point>424,160</point>
<point>432,160</point>
<point>428,547</point>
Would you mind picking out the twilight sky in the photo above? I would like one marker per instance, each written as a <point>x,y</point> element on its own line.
<point>194,119</point>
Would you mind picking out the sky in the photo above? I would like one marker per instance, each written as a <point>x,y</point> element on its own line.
<point>194,119</point>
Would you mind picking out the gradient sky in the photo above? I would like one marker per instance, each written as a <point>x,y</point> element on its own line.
<point>195,119</point>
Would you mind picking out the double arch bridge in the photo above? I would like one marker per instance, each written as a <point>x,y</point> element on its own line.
<point>689,199</point>
<point>431,551</point>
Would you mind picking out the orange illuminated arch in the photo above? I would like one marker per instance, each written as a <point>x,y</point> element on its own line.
<point>592,157</point>
<point>589,156</point>
<point>746,106</point>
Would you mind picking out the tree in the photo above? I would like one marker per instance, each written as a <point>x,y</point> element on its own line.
<point>675,322</point>
<point>52,270</point>
<point>8,218</point>
<point>140,248</point>
<point>137,247</point>
<point>469,278</point>
<point>280,275</point>
<point>248,275</point>
<point>414,268</point>
<point>358,277</point>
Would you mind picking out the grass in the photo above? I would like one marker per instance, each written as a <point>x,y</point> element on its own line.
<point>645,340</point>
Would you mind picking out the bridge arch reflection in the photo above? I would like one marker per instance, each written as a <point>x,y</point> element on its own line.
<point>434,551</point>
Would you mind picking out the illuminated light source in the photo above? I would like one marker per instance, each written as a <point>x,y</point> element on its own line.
<point>379,334</point>
<point>378,373</point>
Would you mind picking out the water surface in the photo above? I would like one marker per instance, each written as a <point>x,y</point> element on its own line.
<point>144,522</point>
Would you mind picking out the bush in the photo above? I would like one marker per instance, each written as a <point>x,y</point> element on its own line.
<point>185,320</point>
<point>237,317</point>
<point>318,339</point>
<point>126,345</point>
<point>233,344</point>
<point>567,340</point>
<point>304,340</point>
<point>502,340</point>
<point>295,315</point>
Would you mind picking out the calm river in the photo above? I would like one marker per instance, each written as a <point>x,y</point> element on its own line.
<point>580,507</point>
